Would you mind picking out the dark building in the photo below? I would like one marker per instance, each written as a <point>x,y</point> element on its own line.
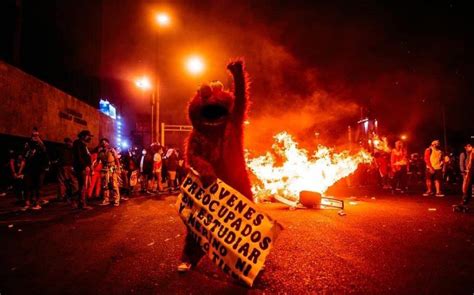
<point>56,42</point>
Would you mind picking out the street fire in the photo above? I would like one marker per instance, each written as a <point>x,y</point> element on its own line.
<point>288,169</point>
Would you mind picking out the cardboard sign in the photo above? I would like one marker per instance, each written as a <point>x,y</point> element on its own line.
<point>236,236</point>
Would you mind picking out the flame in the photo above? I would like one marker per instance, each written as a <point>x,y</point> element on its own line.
<point>380,143</point>
<point>288,170</point>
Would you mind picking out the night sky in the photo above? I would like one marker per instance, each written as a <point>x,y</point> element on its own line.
<point>312,65</point>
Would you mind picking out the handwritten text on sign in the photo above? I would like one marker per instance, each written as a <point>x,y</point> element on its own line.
<point>228,227</point>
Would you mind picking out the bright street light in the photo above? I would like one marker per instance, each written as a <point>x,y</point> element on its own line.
<point>143,83</point>
<point>162,19</point>
<point>195,65</point>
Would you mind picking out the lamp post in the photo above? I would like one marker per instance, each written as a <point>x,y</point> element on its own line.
<point>162,19</point>
<point>145,84</point>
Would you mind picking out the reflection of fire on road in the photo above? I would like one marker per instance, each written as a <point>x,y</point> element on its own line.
<point>288,170</point>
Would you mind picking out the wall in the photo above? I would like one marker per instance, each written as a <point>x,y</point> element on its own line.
<point>26,102</point>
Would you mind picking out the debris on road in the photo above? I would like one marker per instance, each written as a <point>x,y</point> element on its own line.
<point>20,230</point>
<point>177,236</point>
<point>151,244</point>
<point>341,213</point>
<point>431,209</point>
<point>166,240</point>
<point>10,225</point>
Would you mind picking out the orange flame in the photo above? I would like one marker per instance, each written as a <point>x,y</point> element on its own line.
<point>288,170</point>
<point>380,143</point>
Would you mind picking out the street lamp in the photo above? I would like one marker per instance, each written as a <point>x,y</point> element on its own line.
<point>195,65</point>
<point>145,84</point>
<point>163,19</point>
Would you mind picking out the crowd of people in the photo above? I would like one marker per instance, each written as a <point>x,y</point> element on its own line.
<point>105,173</point>
<point>435,166</point>
<point>85,173</point>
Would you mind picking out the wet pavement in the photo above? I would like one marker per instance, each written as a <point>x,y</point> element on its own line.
<point>384,244</point>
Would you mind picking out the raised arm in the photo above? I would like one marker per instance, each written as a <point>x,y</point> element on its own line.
<point>237,69</point>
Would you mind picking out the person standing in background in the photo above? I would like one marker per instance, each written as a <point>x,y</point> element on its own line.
<point>434,168</point>
<point>36,163</point>
<point>399,164</point>
<point>468,169</point>
<point>17,166</point>
<point>171,168</point>
<point>95,188</point>
<point>464,159</point>
<point>67,181</point>
<point>109,158</point>
<point>181,170</point>
<point>157,166</point>
<point>82,166</point>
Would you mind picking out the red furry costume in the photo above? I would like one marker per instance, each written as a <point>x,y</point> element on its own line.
<point>215,146</point>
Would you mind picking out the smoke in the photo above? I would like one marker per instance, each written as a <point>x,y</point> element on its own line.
<point>312,66</point>
<point>287,96</point>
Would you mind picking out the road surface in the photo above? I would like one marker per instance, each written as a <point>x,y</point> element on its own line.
<point>385,244</point>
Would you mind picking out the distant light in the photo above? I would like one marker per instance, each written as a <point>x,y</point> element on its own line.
<point>247,122</point>
<point>143,83</point>
<point>124,144</point>
<point>107,108</point>
<point>403,137</point>
<point>119,123</point>
<point>195,65</point>
<point>163,19</point>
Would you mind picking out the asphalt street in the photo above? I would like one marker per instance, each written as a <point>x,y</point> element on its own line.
<point>384,244</point>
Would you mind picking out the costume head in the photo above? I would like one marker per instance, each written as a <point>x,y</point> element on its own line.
<point>210,107</point>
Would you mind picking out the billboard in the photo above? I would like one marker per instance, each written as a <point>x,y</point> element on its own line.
<point>107,108</point>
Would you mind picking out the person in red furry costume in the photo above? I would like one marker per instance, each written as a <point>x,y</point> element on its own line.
<point>215,146</point>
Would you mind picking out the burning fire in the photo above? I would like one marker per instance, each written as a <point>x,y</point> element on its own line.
<point>379,143</point>
<point>288,170</point>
